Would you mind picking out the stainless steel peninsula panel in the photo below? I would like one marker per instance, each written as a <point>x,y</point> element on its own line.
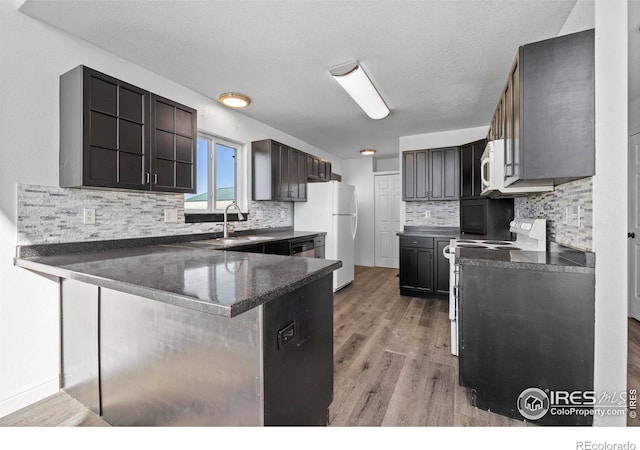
<point>80,352</point>
<point>166,365</point>
<point>140,362</point>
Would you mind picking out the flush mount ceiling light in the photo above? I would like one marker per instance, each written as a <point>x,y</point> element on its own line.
<point>355,81</point>
<point>234,100</point>
<point>368,151</point>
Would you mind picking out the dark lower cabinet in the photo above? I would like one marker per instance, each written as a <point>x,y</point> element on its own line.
<point>521,329</point>
<point>423,267</point>
<point>441,272</point>
<point>116,135</point>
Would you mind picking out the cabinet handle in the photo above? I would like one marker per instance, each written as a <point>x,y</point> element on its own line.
<point>147,177</point>
<point>155,178</point>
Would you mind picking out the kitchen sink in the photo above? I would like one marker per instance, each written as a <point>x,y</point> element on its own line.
<point>234,240</point>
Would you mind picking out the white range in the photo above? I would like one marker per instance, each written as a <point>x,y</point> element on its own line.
<point>531,235</point>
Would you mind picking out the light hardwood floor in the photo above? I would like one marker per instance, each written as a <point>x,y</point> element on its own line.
<point>392,365</point>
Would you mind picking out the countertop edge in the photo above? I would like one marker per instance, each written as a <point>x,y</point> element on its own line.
<point>523,265</point>
<point>184,301</point>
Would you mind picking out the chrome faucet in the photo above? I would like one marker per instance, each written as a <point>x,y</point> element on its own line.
<point>240,216</point>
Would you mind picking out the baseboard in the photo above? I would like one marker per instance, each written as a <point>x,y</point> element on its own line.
<point>25,398</point>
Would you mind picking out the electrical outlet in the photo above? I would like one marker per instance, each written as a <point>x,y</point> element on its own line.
<point>427,214</point>
<point>283,214</point>
<point>259,214</point>
<point>89,216</point>
<point>170,215</point>
<point>572,215</point>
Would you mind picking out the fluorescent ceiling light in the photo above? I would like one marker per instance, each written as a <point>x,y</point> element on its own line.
<point>355,81</point>
<point>234,100</point>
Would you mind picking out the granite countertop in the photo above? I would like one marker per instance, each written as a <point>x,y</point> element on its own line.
<point>557,260</point>
<point>424,231</point>
<point>193,276</point>
<point>448,232</point>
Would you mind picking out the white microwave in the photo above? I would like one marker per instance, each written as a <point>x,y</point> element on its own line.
<point>492,175</point>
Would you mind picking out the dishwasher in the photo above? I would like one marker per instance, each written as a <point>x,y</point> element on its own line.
<point>305,248</point>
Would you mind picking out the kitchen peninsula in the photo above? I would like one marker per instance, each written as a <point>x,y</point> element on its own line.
<point>186,334</point>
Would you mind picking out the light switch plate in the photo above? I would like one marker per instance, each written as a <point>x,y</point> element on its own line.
<point>427,214</point>
<point>283,214</point>
<point>170,215</point>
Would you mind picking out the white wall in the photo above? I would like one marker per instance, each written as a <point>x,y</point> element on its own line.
<point>33,57</point>
<point>610,201</point>
<point>359,173</point>
<point>442,138</point>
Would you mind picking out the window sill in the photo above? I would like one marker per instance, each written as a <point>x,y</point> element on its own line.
<point>213,217</point>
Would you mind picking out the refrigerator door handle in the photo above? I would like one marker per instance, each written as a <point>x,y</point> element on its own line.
<point>355,219</point>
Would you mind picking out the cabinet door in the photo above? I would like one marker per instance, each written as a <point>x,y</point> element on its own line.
<point>312,168</point>
<point>408,176</point>
<point>116,144</point>
<point>424,270</point>
<point>422,175</point>
<point>444,173</point>
<point>282,184</point>
<point>408,268</point>
<point>467,171</point>
<point>478,149</point>
<point>173,145</point>
<point>441,267</point>
<point>302,177</point>
<point>297,175</point>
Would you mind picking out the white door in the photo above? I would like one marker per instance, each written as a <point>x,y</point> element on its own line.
<point>387,193</point>
<point>634,226</point>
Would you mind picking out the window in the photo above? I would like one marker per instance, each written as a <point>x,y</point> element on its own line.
<point>219,164</point>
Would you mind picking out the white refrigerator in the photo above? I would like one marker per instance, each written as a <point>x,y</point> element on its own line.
<point>331,207</point>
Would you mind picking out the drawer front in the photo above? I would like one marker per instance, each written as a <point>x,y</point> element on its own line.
<point>412,241</point>
<point>319,241</point>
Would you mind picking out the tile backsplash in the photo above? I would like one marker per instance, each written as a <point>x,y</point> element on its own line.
<point>443,214</point>
<point>552,206</point>
<point>49,214</point>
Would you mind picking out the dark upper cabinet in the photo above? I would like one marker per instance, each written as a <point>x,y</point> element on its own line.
<point>432,174</point>
<point>470,175</point>
<point>116,135</point>
<point>279,172</point>
<point>104,131</point>
<point>546,112</point>
<point>173,144</point>
<point>318,169</point>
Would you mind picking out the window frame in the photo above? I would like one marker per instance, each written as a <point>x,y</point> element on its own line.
<point>240,181</point>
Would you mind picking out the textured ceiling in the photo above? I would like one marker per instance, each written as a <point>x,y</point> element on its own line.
<point>439,65</point>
